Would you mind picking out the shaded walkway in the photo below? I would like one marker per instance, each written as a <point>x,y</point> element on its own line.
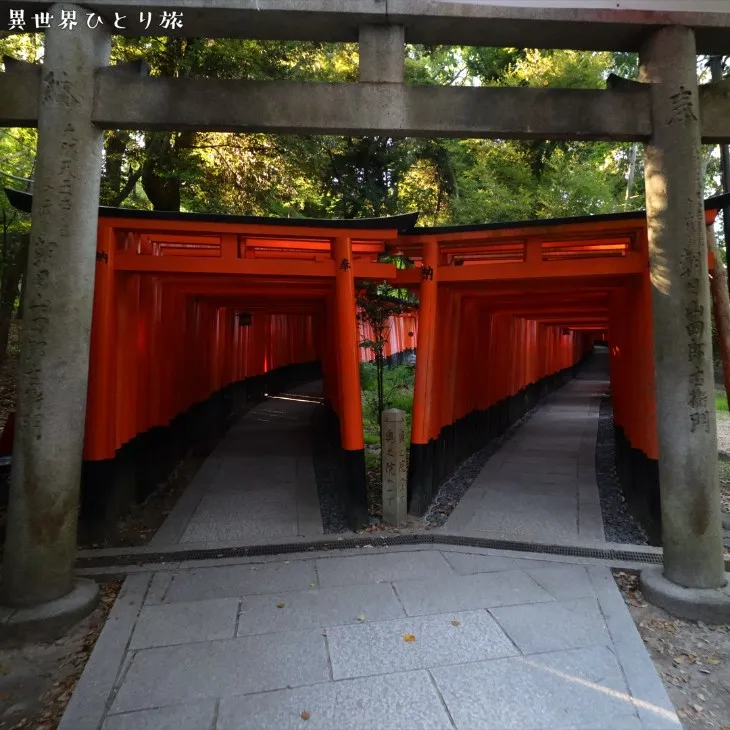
<point>541,485</point>
<point>395,639</point>
<point>259,481</point>
<point>428,637</point>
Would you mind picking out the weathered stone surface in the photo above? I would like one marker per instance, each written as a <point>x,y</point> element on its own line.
<point>394,468</point>
<point>381,568</point>
<point>566,690</point>
<point>176,674</point>
<point>317,607</point>
<point>176,717</point>
<point>40,544</point>
<point>465,592</point>
<point>240,580</point>
<point>554,626</point>
<point>685,398</point>
<point>380,647</point>
<point>183,623</point>
<point>711,605</point>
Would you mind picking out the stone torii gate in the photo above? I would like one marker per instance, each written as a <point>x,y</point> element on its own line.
<point>75,95</point>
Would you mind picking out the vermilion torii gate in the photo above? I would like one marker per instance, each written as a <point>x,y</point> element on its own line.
<point>75,95</point>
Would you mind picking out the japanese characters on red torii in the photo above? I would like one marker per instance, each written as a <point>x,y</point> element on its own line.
<point>168,20</point>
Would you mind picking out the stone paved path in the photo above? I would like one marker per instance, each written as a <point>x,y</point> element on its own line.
<point>259,481</point>
<point>381,639</point>
<point>427,637</point>
<point>541,486</point>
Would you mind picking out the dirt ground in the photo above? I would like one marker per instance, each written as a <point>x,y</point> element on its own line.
<point>693,659</point>
<point>38,679</point>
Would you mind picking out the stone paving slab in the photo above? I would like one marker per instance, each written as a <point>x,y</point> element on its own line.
<point>407,701</point>
<point>541,484</point>
<point>554,489</point>
<point>318,607</point>
<point>198,716</point>
<point>176,674</point>
<point>572,660</point>
<point>381,647</point>
<point>182,623</point>
<point>481,562</point>
<point>262,486</point>
<point>571,690</point>
<point>233,527</point>
<point>240,580</point>
<point>563,582</point>
<point>464,592</point>
<point>381,568</point>
<point>534,504</point>
<point>524,526</point>
<point>553,626</point>
<point>496,639</point>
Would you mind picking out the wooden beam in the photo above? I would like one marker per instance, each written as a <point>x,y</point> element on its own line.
<point>199,265</point>
<point>631,264</point>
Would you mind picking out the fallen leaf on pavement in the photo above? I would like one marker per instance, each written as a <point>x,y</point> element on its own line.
<point>280,605</point>
<point>304,715</point>
<point>409,637</point>
<point>456,623</point>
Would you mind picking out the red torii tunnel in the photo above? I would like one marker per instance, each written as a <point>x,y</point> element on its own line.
<point>195,313</point>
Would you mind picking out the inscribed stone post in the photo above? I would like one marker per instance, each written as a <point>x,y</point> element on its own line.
<point>685,399</point>
<point>394,467</point>
<point>40,545</point>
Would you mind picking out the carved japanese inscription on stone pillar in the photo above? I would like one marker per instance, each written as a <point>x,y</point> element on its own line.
<point>394,467</point>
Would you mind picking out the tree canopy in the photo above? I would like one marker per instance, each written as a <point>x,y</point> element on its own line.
<point>448,181</point>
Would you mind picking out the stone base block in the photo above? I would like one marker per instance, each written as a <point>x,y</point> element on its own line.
<point>48,621</point>
<point>711,605</point>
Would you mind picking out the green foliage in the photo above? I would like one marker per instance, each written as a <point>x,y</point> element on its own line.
<point>447,181</point>
<point>397,393</point>
<point>376,305</point>
<point>721,403</point>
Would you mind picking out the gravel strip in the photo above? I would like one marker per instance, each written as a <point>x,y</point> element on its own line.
<point>618,523</point>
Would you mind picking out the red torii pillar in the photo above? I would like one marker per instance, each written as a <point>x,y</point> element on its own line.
<point>420,480</point>
<point>348,364</point>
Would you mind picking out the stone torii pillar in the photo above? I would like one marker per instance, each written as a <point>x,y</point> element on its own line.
<point>38,586</point>
<point>693,581</point>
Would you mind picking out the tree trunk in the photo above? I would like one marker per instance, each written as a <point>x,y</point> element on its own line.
<point>9,287</point>
<point>632,173</point>
<point>721,307</point>
<point>381,405</point>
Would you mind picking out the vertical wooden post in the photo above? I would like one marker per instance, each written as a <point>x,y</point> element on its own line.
<point>353,447</point>
<point>419,477</point>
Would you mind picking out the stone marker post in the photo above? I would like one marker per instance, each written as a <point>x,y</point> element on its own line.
<point>394,468</point>
<point>694,574</point>
<point>40,546</point>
